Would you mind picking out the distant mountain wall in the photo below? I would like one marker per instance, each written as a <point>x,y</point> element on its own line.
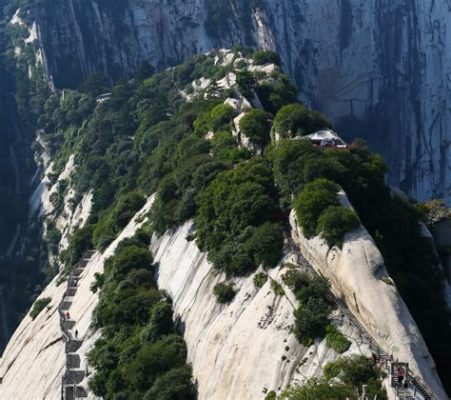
<point>380,69</point>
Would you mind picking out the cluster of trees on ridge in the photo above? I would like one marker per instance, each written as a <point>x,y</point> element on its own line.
<point>148,139</point>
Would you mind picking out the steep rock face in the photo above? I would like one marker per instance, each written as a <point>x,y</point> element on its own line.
<point>379,69</point>
<point>34,360</point>
<point>246,345</point>
<point>243,349</point>
<point>358,275</point>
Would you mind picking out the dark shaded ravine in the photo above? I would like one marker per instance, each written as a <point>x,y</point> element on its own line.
<point>18,275</point>
<point>9,220</point>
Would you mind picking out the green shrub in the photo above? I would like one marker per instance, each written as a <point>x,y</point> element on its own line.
<point>260,279</point>
<point>334,222</point>
<point>129,258</point>
<point>153,359</point>
<point>236,219</point>
<point>160,322</point>
<point>225,147</point>
<point>271,395</point>
<point>277,288</point>
<point>355,371</point>
<point>296,279</point>
<point>336,340</point>
<point>173,385</point>
<point>314,198</point>
<point>308,287</point>
<point>256,126</point>
<point>276,93</point>
<point>99,280</point>
<point>138,352</point>
<point>321,167</point>
<point>246,82</point>
<point>116,218</point>
<point>265,244</point>
<point>38,306</point>
<point>220,116</point>
<point>224,292</point>
<point>320,389</point>
<point>262,57</point>
<point>312,318</point>
<point>79,242</point>
<point>289,158</point>
<point>53,237</point>
<point>127,207</point>
<point>295,119</point>
<point>343,381</point>
<point>312,315</point>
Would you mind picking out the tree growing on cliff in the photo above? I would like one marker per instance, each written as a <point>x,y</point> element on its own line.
<point>256,125</point>
<point>294,119</point>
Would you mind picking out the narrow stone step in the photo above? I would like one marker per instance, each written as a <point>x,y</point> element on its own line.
<point>363,333</point>
<point>74,376</point>
<point>68,324</point>
<point>72,284</point>
<point>73,345</point>
<point>83,263</point>
<point>72,392</point>
<point>88,254</point>
<point>77,272</point>
<point>65,305</point>
<point>73,361</point>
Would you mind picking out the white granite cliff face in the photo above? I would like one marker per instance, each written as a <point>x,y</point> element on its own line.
<point>358,276</point>
<point>246,345</point>
<point>244,349</point>
<point>379,69</point>
<point>240,350</point>
<point>34,360</point>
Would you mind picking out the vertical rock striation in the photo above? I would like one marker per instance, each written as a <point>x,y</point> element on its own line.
<point>379,69</point>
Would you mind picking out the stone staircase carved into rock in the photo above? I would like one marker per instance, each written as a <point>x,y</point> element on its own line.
<point>415,385</point>
<point>73,375</point>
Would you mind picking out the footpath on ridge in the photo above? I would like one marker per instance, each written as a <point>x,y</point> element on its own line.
<point>415,388</point>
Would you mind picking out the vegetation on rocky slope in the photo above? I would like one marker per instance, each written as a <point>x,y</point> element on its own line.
<point>139,354</point>
<point>187,153</point>
<point>38,306</point>
<point>169,134</point>
<point>353,372</point>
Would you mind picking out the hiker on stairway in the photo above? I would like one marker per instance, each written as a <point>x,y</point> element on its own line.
<point>374,357</point>
<point>401,375</point>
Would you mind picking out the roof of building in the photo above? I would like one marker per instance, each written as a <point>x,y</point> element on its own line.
<point>325,134</point>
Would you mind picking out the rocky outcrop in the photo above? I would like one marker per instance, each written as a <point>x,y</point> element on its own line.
<point>358,276</point>
<point>379,69</point>
<point>254,328</point>
<point>34,361</point>
<point>244,349</point>
<point>246,345</point>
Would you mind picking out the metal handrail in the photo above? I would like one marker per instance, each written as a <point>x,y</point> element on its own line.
<point>364,334</point>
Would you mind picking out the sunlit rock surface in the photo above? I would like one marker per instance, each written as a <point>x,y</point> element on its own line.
<point>380,69</point>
